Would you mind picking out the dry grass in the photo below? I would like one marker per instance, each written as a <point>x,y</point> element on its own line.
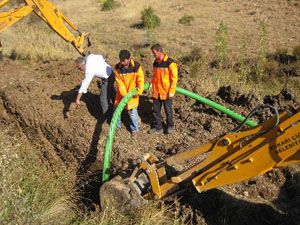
<point>186,20</point>
<point>108,5</point>
<point>29,191</point>
<point>110,33</point>
<point>31,194</point>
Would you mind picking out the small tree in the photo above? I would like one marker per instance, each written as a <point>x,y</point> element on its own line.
<point>222,43</point>
<point>149,19</point>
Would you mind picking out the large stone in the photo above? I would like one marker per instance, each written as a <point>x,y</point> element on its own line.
<point>117,193</point>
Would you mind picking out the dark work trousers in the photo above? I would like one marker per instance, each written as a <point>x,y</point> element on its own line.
<point>107,96</point>
<point>157,103</point>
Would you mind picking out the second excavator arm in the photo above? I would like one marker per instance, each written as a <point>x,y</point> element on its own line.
<point>49,13</point>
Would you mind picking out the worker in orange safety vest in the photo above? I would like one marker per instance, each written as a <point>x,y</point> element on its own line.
<point>129,75</point>
<point>164,82</point>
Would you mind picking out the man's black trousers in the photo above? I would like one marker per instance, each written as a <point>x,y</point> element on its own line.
<point>157,103</point>
<point>107,96</point>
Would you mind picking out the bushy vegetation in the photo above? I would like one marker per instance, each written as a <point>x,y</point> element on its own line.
<point>149,19</point>
<point>222,44</point>
<point>109,5</point>
<point>264,72</point>
<point>186,20</point>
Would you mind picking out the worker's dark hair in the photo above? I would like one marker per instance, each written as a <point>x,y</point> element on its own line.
<point>157,47</point>
<point>124,54</point>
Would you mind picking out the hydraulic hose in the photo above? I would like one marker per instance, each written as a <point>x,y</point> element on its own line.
<point>215,106</point>
<point>122,104</point>
<point>112,129</point>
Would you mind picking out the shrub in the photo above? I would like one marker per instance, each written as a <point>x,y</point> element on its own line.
<point>149,19</point>
<point>109,5</point>
<point>222,43</point>
<point>186,20</point>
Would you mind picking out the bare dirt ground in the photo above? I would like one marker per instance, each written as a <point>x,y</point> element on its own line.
<point>39,99</point>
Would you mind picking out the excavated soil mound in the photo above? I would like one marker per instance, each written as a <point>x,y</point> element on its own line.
<point>38,99</point>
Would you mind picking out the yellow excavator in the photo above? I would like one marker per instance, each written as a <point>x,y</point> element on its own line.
<point>239,155</point>
<point>49,13</point>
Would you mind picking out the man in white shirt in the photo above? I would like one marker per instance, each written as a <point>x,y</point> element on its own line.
<point>95,65</point>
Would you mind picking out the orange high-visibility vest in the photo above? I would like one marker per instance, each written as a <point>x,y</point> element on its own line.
<point>165,77</point>
<point>127,80</point>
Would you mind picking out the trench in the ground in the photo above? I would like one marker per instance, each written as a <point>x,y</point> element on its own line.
<point>192,205</point>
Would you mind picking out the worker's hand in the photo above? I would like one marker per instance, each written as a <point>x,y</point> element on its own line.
<point>77,102</point>
<point>171,95</point>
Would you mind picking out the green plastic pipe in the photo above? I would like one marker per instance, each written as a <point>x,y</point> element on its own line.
<point>112,129</point>
<point>215,106</point>
<point>122,104</point>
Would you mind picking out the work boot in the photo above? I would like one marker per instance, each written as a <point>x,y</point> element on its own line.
<point>155,131</point>
<point>170,130</point>
<point>134,135</point>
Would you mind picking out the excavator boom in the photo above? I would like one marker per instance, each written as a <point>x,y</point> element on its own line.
<point>4,2</point>
<point>51,15</point>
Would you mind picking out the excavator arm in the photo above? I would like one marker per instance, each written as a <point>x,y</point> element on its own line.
<point>232,158</point>
<point>9,18</point>
<point>51,15</point>
<point>236,156</point>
